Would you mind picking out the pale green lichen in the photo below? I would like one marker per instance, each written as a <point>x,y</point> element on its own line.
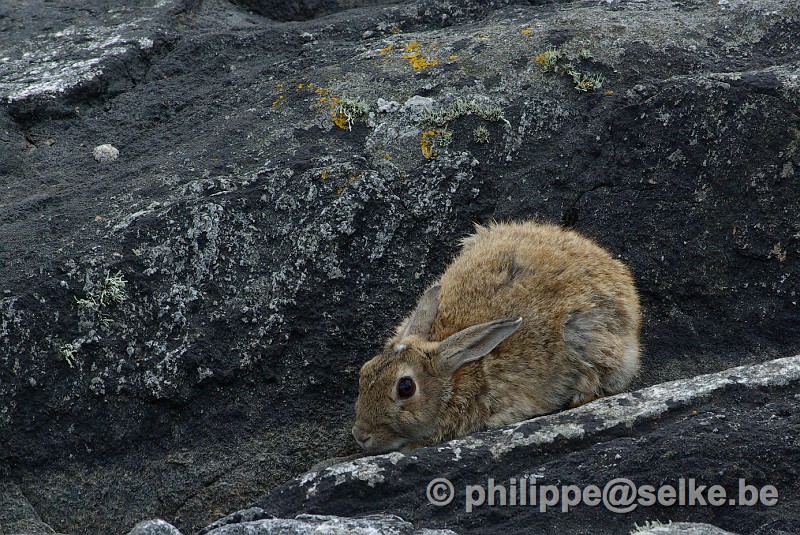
<point>113,289</point>
<point>460,107</point>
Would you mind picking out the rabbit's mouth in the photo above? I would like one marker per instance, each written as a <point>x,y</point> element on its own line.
<point>373,447</point>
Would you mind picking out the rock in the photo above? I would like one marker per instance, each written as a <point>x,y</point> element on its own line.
<point>294,10</point>
<point>154,527</point>
<point>683,528</point>
<point>265,250</point>
<point>17,515</point>
<point>307,524</point>
<point>375,525</point>
<point>387,106</point>
<point>105,153</point>
<point>690,433</point>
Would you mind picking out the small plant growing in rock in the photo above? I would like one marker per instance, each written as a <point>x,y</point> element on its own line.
<point>481,134</point>
<point>548,59</point>
<point>67,352</point>
<point>347,111</point>
<point>111,291</point>
<point>584,82</point>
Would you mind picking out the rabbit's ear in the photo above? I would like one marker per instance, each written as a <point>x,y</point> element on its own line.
<point>421,320</point>
<point>473,343</point>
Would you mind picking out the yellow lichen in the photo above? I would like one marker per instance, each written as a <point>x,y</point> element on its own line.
<point>426,143</point>
<point>340,120</point>
<point>419,62</point>
<point>526,31</point>
<point>412,52</point>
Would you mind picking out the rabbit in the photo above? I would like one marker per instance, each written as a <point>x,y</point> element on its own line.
<point>528,319</point>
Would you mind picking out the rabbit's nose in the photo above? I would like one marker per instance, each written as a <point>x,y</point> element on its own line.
<point>363,438</point>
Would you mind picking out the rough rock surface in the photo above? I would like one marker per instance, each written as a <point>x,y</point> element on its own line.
<point>181,327</point>
<point>717,429</point>
<point>302,524</point>
<point>689,433</point>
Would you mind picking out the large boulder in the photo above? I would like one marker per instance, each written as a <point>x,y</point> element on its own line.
<point>211,217</point>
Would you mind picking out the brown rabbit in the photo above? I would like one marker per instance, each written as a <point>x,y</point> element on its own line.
<point>528,319</point>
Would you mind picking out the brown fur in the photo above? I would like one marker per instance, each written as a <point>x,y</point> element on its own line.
<point>578,339</point>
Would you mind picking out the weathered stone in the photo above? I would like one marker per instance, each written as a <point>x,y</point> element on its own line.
<point>683,528</point>
<point>17,515</point>
<point>154,527</point>
<point>263,251</point>
<point>689,433</point>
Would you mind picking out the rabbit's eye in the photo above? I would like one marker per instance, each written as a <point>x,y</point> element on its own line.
<point>406,387</point>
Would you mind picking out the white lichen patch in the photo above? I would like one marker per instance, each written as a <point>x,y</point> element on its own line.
<point>546,435</point>
<point>366,469</point>
<point>59,60</point>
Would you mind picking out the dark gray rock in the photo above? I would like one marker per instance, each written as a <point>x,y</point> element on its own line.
<point>735,429</point>
<point>683,528</point>
<point>181,327</point>
<point>17,515</point>
<point>301,525</point>
<point>379,525</point>
<point>294,10</point>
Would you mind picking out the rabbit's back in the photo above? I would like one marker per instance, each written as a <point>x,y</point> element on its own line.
<point>580,311</point>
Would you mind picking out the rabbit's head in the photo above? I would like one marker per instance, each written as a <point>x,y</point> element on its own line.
<point>404,390</point>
